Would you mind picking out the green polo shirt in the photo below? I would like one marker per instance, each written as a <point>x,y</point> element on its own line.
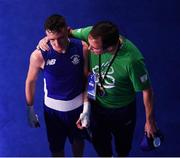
<point>126,76</point>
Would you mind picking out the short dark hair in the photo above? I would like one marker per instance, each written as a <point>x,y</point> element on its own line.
<point>55,22</point>
<point>107,31</point>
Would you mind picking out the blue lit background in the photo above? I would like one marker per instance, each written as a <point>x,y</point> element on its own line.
<point>154,26</point>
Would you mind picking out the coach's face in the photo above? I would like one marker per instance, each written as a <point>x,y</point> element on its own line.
<point>95,45</point>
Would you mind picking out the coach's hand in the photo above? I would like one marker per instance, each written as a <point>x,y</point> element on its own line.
<point>43,44</point>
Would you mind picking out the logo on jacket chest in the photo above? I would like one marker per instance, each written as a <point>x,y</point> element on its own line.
<point>75,59</point>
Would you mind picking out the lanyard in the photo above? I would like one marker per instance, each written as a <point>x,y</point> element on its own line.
<point>101,80</point>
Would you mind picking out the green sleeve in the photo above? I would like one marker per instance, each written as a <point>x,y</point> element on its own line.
<point>82,33</point>
<point>139,76</point>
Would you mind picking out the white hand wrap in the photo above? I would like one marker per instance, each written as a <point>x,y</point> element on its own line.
<point>85,115</point>
<point>32,117</point>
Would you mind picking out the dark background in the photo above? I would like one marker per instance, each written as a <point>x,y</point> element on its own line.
<point>153,25</point>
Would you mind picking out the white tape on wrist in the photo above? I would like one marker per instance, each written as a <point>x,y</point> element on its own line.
<point>86,107</point>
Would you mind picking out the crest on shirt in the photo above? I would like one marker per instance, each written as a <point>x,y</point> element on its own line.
<point>75,59</point>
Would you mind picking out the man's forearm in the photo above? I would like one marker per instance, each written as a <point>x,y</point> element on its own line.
<point>81,33</point>
<point>150,125</point>
<point>148,103</point>
<point>30,90</point>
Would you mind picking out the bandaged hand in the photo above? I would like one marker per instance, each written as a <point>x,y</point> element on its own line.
<point>32,117</point>
<point>84,119</point>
